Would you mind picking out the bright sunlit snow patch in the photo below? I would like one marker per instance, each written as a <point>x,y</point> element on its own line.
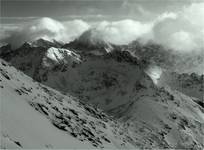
<point>155,73</point>
<point>56,56</point>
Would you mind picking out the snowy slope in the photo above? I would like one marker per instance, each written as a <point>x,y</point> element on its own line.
<point>164,118</point>
<point>55,121</point>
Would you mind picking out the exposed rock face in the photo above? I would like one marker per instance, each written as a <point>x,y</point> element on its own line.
<point>189,84</point>
<point>5,49</point>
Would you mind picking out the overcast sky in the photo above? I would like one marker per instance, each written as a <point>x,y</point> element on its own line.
<point>13,11</point>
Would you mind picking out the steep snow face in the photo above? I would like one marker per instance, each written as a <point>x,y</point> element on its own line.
<point>35,116</point>
<point>56,56</point>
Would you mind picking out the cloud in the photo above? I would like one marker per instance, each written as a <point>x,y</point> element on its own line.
<point>134,9</point>
<point>46,28</point>
<point>120,32</point>
<point>183,30</point>
<point>182,40</point>
<point>74,29</point>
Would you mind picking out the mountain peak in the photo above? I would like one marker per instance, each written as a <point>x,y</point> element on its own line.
<point>26,45</point>
<point>45,43</point>
<point>60,56</point>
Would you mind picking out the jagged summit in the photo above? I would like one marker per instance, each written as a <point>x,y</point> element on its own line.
<point>45,43</point>
<point>59,56</point>
<point>26,45</point>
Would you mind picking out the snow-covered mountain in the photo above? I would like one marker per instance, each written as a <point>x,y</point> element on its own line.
<point>117,83</point>
<point>59,56</point>
<point>87,76</point>
<point>35,116</point>
<point>30,59</point>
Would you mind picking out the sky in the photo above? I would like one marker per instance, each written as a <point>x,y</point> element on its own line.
<point>15,11</point>
<point>176,24</point>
